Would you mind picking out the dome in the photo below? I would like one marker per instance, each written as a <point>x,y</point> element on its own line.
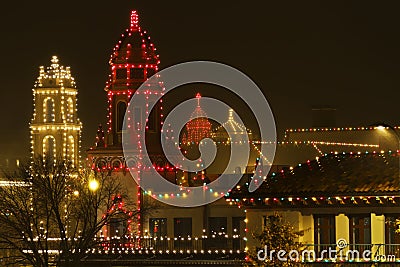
<point>134,46</point>
<point>232,128</point>
<point>199,127</point>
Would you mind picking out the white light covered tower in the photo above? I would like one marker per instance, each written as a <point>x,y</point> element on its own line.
<point>55,127</point>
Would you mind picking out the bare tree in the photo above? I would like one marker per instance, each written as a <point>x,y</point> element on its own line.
<point>50,214</point>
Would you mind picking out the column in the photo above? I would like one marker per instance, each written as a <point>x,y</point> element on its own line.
<point>342,227</point>
<point>377,234</point>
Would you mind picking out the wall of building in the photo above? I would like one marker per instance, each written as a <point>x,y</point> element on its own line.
<point>305,222</point>
<point>200,216</point>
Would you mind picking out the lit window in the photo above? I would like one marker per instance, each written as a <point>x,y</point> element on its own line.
<point>158,227</point>
<point>48,110</point>
<point>71,149</point>
<point>49,147</point>
<point>70,108</point>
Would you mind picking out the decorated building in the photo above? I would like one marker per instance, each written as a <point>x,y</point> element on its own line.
<point>55,126</point>
<point>132,62</point>
<point>332,184</point>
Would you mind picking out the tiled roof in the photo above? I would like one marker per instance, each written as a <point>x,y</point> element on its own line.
<point>373,174</point>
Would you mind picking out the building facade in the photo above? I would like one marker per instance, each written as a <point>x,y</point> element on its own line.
<point>347,197</point>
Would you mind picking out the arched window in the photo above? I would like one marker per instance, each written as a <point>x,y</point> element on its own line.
<point>48,110</point>
<point>152,120</point>
<point>121,109</point>
<point>70,110</point>
<point>101,163</point>
<point>49,147</point>
<point>70,154</point>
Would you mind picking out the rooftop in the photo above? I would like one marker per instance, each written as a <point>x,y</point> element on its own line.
<point>332,175</point>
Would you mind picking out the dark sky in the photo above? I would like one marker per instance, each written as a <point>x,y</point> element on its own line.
<point>301,53</point>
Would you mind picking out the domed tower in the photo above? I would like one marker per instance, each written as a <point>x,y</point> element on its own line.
<point>55,127</point>
<point>199,127</point>
<point>132,62</point>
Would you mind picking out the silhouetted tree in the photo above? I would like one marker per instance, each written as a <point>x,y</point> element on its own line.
<point>49,214</point>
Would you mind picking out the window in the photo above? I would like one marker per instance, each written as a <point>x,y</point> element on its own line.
<point>121,109</point>
<point>137,73</point>
<point>360,232</point>
<point>101,163</point>
<point>324,229</point>
<point>182,230</point>
<point>48,110</point>
<point>71,110</point>
<point>324,232</point>
<point>49,147</point>
<point>217,225</point>
<point>182,227</point>
<point>121,74</point>
<point>217,231</point>
<point>158,227</point>
<point>238,226</point>
<point>391,237</point>
<point>71,149</point>
<point>390,229</point>
<point>116,164</point>
<point>118,227</point>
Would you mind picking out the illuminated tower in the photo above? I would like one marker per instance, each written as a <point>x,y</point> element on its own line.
<point>132,62</point>
<point>55,127</point>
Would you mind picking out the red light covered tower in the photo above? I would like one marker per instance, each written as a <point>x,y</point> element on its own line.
<point>133,61</point>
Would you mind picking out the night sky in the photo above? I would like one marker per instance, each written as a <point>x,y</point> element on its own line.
<point>301,53</point>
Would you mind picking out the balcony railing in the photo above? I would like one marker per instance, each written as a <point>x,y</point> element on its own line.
<point>204,243</point>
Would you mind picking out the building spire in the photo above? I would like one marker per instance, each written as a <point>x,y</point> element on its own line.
<point>54,61</point>
<point>198,96</point>
<point>230,118</point>
<point>134,20</point>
